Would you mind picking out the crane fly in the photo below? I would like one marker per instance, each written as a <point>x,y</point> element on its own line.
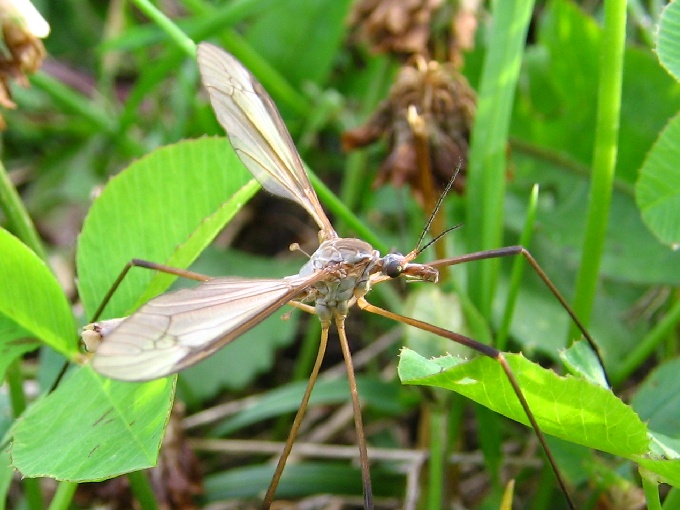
<point>178,329</point>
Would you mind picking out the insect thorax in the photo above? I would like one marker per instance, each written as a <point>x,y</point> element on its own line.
<point>350,263</point>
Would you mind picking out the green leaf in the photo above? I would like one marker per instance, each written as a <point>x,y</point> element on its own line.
<point>668,40</point>
<point>165,208</point>
<point>32,302</point>
<point>567,407</point>
<point>118,428</point>
<point>560,77</point>
<point>657,191</point>
<point>580,359</point>
<point>570,408</point>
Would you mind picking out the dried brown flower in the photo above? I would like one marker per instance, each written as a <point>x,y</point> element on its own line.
<point>443,104</point>
<point>23,51</point>
<point>397,26</point>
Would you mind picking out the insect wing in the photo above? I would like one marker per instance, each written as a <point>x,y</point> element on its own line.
<point>256,131</point>
<point>178,329</point>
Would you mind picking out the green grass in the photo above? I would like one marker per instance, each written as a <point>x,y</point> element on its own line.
<point>544,117</point>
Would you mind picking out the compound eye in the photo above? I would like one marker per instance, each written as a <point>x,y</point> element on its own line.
<point>392,266</point>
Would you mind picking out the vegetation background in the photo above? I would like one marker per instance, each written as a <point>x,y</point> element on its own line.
<point>117,113</point>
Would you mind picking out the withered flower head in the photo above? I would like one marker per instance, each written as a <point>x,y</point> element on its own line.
<point>21,51</point>
<point>443,104</point>
<point>397,26</point>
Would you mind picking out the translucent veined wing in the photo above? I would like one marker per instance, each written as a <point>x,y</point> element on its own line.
<point>257,132</point>
<point>177,329</point>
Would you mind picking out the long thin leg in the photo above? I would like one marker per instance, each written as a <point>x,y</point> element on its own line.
<point>147,265</point>
<point>510,251</point>
<point>487,351</point>
<point>269,497</point>
<point>358,422</point>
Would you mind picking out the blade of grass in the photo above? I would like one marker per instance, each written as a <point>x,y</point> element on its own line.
<point>489,140</point>
<point>141,487</point>
<point>354,178</point>
<point>63,496</point>
<point>604,158</point>
<point>14,379</point>
<point>205,19</point>
<point>17,215</point>
<point>517,270</point>
<point>75,103</point>
<point>438,454</point>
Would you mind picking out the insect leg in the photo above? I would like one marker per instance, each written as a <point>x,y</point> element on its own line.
<point>510,251</point>
<point>303,306</point>
<point>147,265</point>
<point>358,422</point>
<point>271,491</point>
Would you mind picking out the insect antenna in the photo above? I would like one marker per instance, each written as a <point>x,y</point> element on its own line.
<point>435,211</point>
<point>437,238</point>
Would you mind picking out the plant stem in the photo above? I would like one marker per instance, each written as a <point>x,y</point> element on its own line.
<point>651,489</point>
<point>438,453</point>
<point>17,215</point>
<point>141,488</point>
<point>354,180</point>
<point>168,26</point>
<point>62,498</point>
<point>14,380</point>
